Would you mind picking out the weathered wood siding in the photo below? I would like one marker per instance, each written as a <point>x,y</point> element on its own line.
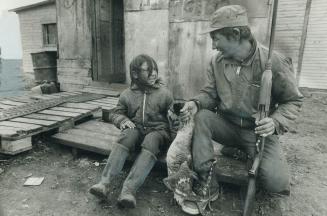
<point>189,51</point>
<point>289,27</point>
<point>314,66</point>
<point>146,31</point>
<point>31,21</point>
<point>75,43</point>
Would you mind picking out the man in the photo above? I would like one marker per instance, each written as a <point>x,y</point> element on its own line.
<point>225,108</point>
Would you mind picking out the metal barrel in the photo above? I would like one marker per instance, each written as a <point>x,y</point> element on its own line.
<point>45,66</point>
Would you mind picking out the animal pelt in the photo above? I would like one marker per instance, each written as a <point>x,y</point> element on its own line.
<point>179,160</point>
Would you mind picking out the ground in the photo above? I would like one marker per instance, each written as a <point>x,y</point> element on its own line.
<point>67,179</point>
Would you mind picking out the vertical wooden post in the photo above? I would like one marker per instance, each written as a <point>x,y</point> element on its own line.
<point>303,39</point>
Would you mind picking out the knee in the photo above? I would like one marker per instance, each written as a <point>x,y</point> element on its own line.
<point>274,180</point>
<point>202,116</point>
<point>152,142</point>
<point>128,138</point>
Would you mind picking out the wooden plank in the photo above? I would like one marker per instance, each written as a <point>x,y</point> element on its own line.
<point>100,127</point>
<point>231,171</point>
<point>101,91</point>
<point>4,106</point>
<point>23,126</point>
<point>35,121</point>
<point>71,110</point>
<point>105,102</point>
<point>22,99</point>
<point>59,113</point>
<point>303,39</point>
<point>8,131</point>
<point>98,145</point>
<point>13,147</point>
<point>12,103</point>
<point>47,117</point>
<point>137,5</point>
<point>111,138</point>
<point>80,106</point>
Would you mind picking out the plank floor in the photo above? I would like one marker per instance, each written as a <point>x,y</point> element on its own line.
<point>17,131</point>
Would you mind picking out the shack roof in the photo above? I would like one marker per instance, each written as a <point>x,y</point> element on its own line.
<point>30,6</point>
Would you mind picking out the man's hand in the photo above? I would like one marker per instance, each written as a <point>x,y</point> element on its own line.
<point>127,124</point>
<point>190,108</point>
<point>265,127</point>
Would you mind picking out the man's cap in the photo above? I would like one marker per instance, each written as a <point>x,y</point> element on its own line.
<point>228,16</point>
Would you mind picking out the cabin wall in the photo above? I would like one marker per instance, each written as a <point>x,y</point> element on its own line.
<point>31,21</point>
<point>75,43</point>
<point>190,51</point>
<point>289,25</point>
<point>314,65</point>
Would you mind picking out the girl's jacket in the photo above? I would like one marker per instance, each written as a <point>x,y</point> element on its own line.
<point>148,109</point>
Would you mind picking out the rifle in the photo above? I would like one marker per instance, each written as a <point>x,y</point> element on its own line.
<point>263,108</point>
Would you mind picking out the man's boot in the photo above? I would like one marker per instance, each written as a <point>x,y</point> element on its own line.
<point>136,177</point>
<point>207,189</point>
<point>113,167</point>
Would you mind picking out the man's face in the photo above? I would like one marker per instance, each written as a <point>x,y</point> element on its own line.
<point>145,77</point>
<point>223,44</point>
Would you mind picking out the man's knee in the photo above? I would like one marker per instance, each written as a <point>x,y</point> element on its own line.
<point>275,179</point>
<point>203,116</point>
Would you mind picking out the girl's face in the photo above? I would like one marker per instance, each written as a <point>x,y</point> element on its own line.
<point>145,76</point>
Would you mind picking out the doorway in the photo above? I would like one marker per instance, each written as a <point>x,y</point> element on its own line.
<point>108,61</point>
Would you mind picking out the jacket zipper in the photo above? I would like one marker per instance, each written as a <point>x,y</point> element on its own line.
<point>143,113</point>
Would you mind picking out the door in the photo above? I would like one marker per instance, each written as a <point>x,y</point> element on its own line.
<point>108,41</point>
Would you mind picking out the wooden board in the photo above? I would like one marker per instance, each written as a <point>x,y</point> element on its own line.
<point>100,146</point>
<point>100,127</point>
<point>4,106</point>
<point>71,110</point>
<point>13,147</point>
<point>29,128</point>
<point>231,171</point>
<point>101,91</point>
<point>80,106</point>
<point>35,121</point>
<point>12,103</point>
<point>47,117</point>
<point>6,131</point>
<point>59,113</point>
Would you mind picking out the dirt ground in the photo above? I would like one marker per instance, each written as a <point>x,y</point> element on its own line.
<point>67,179</point>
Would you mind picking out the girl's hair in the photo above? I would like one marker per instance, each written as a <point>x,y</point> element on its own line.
<point>136,63</point>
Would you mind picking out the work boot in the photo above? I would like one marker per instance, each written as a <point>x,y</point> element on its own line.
<point>113,167</point>
<point>140,170</point>
<point>207,189</point>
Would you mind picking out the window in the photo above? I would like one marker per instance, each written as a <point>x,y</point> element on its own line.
<point>50,34</point>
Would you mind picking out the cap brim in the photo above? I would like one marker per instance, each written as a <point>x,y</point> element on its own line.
<point>210,29</point>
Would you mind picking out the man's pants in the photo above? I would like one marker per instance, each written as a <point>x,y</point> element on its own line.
<point>154,141</point>
<point>273,172</point>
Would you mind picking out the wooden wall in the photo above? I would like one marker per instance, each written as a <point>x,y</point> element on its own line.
<point>314,65</point>
<point>190,51</point>
<point>75,43</point>
<point>289,28</point>
<point>146,31</point>
<point>31,21</point>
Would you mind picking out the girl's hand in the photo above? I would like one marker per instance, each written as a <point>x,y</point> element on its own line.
<point>127,124</point>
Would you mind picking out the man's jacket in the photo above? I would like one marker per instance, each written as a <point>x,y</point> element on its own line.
<point>233,88</point>
<point>146,108</point>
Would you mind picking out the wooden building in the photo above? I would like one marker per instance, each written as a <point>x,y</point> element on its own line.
<point>38,30</point>
<point>98,38</point>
